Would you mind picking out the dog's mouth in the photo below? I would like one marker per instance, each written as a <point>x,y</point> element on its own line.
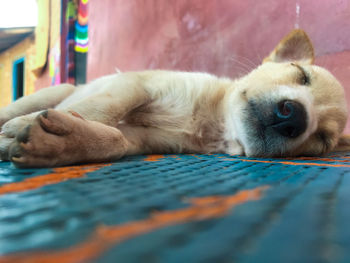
<point>273,127</point>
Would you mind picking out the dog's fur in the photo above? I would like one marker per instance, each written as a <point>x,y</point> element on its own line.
<point>179,112</point>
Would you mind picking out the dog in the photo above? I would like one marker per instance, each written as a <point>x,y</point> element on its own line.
<point>285,107</point>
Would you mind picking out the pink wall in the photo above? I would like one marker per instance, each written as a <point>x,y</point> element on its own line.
<point>44,80</point>
<point>224,37</point>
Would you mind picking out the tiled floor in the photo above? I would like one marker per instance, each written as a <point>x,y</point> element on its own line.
<point>178,208</point>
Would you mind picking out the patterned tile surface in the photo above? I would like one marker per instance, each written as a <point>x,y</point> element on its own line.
<point>178,208</point>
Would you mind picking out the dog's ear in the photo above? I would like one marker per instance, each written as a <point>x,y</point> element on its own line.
<point>296,46</point>
<point>343,144</point>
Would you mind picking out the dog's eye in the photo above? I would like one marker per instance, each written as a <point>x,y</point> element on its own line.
<point>305,78</point>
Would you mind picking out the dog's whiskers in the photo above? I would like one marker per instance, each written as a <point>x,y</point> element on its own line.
<point>246,68</point>
<point>248,61</point>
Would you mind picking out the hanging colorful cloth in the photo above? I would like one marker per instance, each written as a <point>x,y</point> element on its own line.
<point>81,42</point>
<point>81,28</point>
<point>75,29</point>
<point>71,17</point>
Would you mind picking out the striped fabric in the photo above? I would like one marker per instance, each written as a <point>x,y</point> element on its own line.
<point>178,208</point>
<point>81,28</point>
<point>76,40</point>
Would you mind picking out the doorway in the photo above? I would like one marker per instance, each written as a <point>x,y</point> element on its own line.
<point>18,79</point>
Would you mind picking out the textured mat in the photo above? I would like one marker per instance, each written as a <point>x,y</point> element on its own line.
<point>178,208</point>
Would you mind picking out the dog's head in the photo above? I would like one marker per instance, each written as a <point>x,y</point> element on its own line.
<point>289,107</point>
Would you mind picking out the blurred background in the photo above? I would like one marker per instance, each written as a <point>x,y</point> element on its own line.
<point>47,42</point>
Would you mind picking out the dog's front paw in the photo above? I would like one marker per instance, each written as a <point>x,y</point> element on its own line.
<point>42,142</point>
<point>9,131</point>
<point>55,138</point>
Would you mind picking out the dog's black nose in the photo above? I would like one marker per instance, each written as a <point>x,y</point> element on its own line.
<point>289,118</point>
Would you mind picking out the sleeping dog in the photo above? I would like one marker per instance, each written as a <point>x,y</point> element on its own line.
<point>285,107</point>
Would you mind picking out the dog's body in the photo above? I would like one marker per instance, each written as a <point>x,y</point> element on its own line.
<point>285,107</point>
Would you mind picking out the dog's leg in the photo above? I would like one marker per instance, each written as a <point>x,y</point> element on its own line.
<point>56,138</point>
<point>147,140</point>
<point>40,100</point>
<point>107,108</point>
<point>111,106</point>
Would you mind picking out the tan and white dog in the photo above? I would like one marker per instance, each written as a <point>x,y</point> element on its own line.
<point>285,107</point>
